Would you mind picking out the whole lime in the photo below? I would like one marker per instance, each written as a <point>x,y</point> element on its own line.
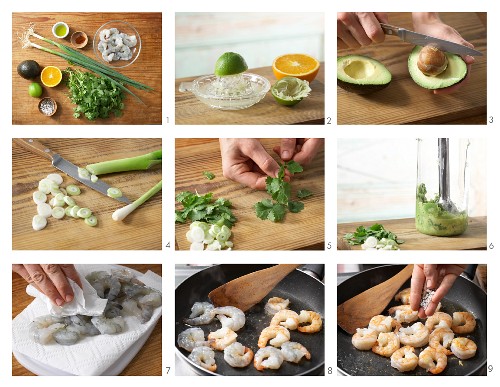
<point>35,90</point>
<point>230,63</point>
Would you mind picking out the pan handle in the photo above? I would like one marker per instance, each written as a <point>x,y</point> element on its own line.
<point>470,272</point>
<point>314,270</point>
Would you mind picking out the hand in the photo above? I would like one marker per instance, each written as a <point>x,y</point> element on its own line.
<point>301,150</point>
<point>245,161</point>
<point>356,29</point>
<point>51,280</point>
<point>428,23</point>
<point>436,277</point>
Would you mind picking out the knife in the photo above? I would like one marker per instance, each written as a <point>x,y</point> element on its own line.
<point>63,165</point>
<point>424,40</point>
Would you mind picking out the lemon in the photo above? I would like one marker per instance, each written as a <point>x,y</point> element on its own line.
<point>230,63</point>
<point>290,90</point>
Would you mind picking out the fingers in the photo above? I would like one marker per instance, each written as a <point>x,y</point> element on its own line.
<point>356,29</point>
<point>308,150</point>
<point>371,27</point>
<point>287,148</point>
<point>20,269</point>
<point>417,286</point>
<point>444,288</point>
<point>255,180</point>
<point>40,278</point>
<point>382,17</point>
<point>72,274</point>
<point>263,160</point>
<point>431,276</point>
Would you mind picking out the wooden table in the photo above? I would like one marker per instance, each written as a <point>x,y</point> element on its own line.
<point>311,110</point>
<point>403,101</point>
<point>141,230</point>
<point>146,69</point>
<point>304,230</point>
<point>473,239</point>
<point>147,362</point>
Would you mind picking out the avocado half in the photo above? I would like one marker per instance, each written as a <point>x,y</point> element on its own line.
<point>361,74</point>
<point>454,73</point>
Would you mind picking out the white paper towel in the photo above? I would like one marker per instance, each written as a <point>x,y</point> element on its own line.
<point>91,355</point>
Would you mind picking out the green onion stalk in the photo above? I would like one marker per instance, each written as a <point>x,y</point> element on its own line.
<point>137,163</point>
<point>123,212</point>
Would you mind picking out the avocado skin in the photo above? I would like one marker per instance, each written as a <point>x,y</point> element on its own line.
<point>361,89</point>
<point>28,69</point>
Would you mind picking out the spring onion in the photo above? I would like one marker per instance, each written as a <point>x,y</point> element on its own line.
<point>69,201</point>
<point>39,197</point>
<point>39,222</point>
<point>43,209</point>
<point>121,213</point>
<point>73,190</point>
<point>74,211</point>
<point>91,221</point>
<point>214,236</point>
<point>83,173</point>
<point>84,213</point>
<point>56,178</point>
<point>114,192</point>
<point>58,212</point>
<point>129,164</point>
<point>59,197</point>
<point>47,186</point>
<point>94,178</point>
<point>67,210</point>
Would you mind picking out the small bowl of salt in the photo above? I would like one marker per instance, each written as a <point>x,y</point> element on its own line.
<point>47,106</point>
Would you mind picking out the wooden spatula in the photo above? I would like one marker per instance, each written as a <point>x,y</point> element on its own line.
<point>248,290</point>
<point>357,311</point>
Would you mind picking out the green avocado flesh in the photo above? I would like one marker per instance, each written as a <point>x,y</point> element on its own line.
<point>361,74</point>
<point>454,73</point>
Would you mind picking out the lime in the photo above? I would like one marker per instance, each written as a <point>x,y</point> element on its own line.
<point>230,63</point>
<point>35,90</point>
<point>290,90</point>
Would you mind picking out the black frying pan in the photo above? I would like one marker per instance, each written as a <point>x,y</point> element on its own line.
<point>303,291</point>
<point>465,295</point>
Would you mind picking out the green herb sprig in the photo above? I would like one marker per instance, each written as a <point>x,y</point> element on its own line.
<point>377,230</point>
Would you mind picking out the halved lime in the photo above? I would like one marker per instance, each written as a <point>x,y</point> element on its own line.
<point>230,63</point>
<point>290,90</point>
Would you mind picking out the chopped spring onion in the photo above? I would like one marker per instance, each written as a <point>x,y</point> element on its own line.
<point>69,201</point>
<point>58,212</point>
<point>45,185</point>
<point>67,210</point>
<point>129,164</point>
<point>39,222</point>
<point>91,221</point>
<point>56,178</point>
<point>197,235</point>
<point>39,197</point>
<point>84,213</point>
<point>114,192</point>
<point>83,173</point>
<point>214,236</point>
<point>63,191</point>
<point>59,197</point>
<point>121,213</point>
<point>57,203</point>
<point>73,190</point>
<point>196,246</point>
<point>43,209</point>
<point>94,178</point>
<point>52,202</point>
<point>74,211</point>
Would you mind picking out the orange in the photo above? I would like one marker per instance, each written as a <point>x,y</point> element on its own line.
<point>51,76</point>
<point>300,66</point>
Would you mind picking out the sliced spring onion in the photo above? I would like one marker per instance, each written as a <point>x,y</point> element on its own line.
<point>114,192</point>
<point>73,190</point>
<point>84,213</point>
<point>63,191</point>
<point>52,202</point>
<point>121,213</point>
<point>43,209</point>
<point>214,230</point>
<point>58,212</point>
<point>188,236</point>
<point>60,197</point>
<point>69,201</point>
<point>94,178</point>
<point>74,211</point>
<point>129,164</point>
<point>197,234</point>
<point>229,244</point>
<point>39,197</point>
<point>56,178</point>
<point>91,221</point>
<point>67,210</point>
<point>44,186</point>
<point>208,239</point>
<point>214,246</point>
<point>39,222</point>
<point>58,203</point>
<point>83,173</point>
<point>196,246</point>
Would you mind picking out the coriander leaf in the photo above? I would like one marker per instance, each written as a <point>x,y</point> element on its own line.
<point>263,208</point>
<point>295,206</point>
<point>208,175</point>
<point>303,193</point>
<point>278,213</point>
<point>293,167</point>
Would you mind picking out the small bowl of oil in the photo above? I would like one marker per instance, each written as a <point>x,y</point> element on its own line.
<point>60,30</point>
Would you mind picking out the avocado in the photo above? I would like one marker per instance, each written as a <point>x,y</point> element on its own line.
<point>361,74</point>
<point>28,69</point>
<point>455,71</point>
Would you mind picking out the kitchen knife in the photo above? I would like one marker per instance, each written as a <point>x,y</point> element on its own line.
<point>424,40</point>
<point>63,165</point>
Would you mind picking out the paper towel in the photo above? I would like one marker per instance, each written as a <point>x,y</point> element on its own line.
<point>91,355</point>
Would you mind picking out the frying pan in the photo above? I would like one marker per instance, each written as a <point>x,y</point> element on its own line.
<point>465,295</point>
<point>303,291</point>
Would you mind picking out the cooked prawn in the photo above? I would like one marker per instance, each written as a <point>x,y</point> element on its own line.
<point>308,316</point>
<point>403,296</point>
<point>276,336</point>
<point>415,335</point>
<point>237,355</point>
<point>441,335</point>
<point>433,360</point>
<point>204,357</point>
<point>286,318</point>
<point>404,359</point>
<point>438,320</point>
<point>230,317</point>
<point>463,348</point>
<point>364,338</point>
<point>404,313</point>
<point>201,314</point>
<point>463,323</point>
<point>381,323</point>
<point>387,344</point>
<point>191,338</point>
<point>293,351</point>
<point>221,338</point>
<point>275,304</point>
<point>268,357</point>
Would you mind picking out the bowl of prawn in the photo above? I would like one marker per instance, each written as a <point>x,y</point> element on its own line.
<point>117,44</point>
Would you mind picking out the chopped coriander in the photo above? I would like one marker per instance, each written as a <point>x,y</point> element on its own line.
<point>377,230</point>
<point>303,193</point>
<point>208,175</point>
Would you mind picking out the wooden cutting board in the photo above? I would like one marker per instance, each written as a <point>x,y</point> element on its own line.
<point>147,362</point>
<point>311,110</point>
<point>305,230</point>
<point>146,69</point>
<point>141,230</point>
<point>473,239</point>
<point>403,101</point>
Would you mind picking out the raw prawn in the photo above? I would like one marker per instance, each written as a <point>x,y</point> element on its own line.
<point>463,348</point>
<point>268,357</point>
<point>364,338</point>
<point>415,335</point>
<point>404,359</point>
<point>221,338</point>
<point>463,323</point>
<point>230,317</point>
<point>237,355</point>
<point>293,351</point>
<point>276,336</point>
<point>204,357</point>
<point>66,336</point>
<point>201,314</point>
<point>43,327</point>
<point>434,361</point>
<point>275,304</point>
<point>286,318</point>
<point>191,338</point>
<point>311,318</point>
<point>109,326</point>
<point>387,344</point>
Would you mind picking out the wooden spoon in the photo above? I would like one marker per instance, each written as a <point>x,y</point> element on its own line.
<point>248,290</point>
<point>358,311</point>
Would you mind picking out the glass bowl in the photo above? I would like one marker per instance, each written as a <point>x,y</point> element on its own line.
<point>125,28</point>
<point>228,93</point>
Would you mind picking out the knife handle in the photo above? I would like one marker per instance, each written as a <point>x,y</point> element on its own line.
<point>389,30</point>
<point>35,147</point>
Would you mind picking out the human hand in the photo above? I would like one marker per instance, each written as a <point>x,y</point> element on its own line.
<point>301,150</point>
<point>435,277</point>
<point>245,161</point>
<point>51,280</point>
<point>428,23</point>
<point>356,29</point>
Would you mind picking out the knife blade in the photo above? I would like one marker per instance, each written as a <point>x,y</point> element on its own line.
<point>424,40</point>
<point>65,166</point>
